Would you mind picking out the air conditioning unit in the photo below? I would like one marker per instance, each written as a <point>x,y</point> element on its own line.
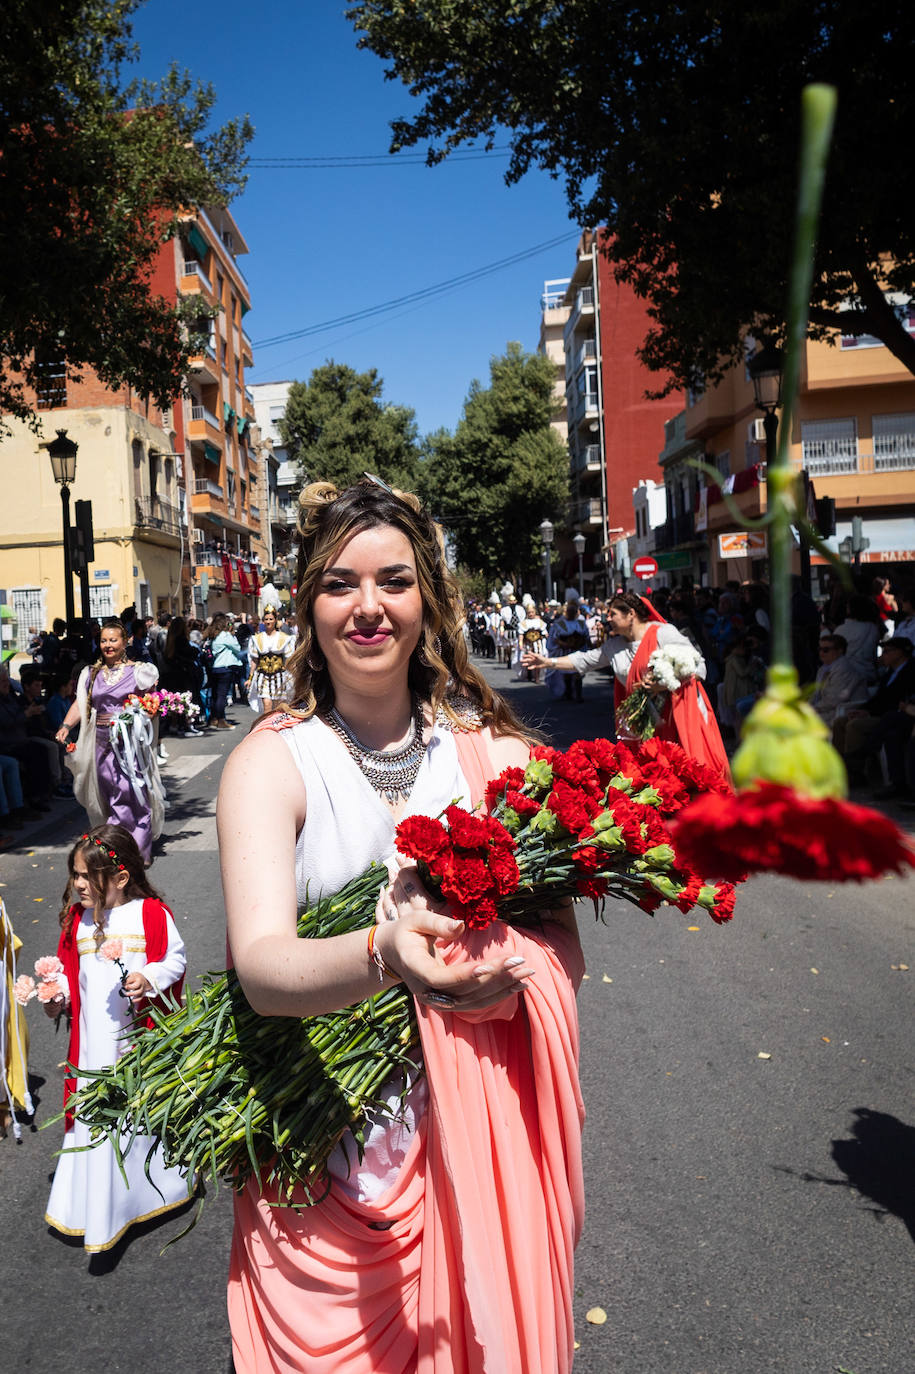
<point>198,535</point>
<point>757,431</point>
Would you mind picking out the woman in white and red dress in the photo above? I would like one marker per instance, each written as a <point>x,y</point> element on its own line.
<point>635,631</point>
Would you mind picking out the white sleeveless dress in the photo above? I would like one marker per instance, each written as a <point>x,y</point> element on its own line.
<point>347,826</point>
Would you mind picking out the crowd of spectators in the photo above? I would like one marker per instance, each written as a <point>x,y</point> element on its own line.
<point>852,648</point>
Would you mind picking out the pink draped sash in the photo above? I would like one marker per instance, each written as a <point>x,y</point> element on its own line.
<point>464,1266</point>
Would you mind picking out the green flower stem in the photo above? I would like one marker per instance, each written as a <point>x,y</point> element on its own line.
<point>818,108</point>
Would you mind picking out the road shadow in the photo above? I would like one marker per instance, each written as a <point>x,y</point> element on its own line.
<point>878,1161</point>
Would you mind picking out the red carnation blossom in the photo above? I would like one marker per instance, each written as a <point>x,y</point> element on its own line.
<point>690,894</point>
<point>511,777</point>
<point>466,879</point>
<point>572,807</point>
<point>520,802</point>
<point>769,828</point>
<point>665,782</point>
<point>480,915</point>
<point>723,910</point>
<point>499,837</point>
<point>421,838</point>
<point>588,859</point>
<point>503,871</point>
<point>467,831</point>
<point>650,901</point>
<point>577,769</point>
<point>603,755</point>
<point>595,888</point>
<point>698,777</point>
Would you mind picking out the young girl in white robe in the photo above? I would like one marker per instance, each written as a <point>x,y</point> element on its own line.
<point>120,949</point>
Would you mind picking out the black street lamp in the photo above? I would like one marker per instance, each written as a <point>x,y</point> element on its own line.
<point>546,535</point>
<point>765,369</point>
<point>62,452</point>
<point>579,541</point>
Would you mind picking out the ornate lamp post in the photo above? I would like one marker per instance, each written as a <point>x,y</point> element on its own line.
<point>62,452</point>
<point>579,541</point>
<point>546,535</point>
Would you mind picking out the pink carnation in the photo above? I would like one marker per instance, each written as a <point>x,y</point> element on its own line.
<point>24,989</point>
<point>112,950</point>
<point>48,966</point>
<point>50,991</point>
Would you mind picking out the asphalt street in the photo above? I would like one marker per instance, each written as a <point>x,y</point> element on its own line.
<point>749,1147</point>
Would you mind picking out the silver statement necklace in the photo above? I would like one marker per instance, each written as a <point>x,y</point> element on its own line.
<point>391,772</point>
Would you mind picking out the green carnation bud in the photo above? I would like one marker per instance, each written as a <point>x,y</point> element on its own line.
<point>539,773</point>
<point>660,854</point>
<point>662,884</point>
<point>621,783</point>
<point>648,796</point>
<point>707,896</point>
<point>785,742</point>
<point>546,822</point>
<point>611,838</point>
<point>603,821</point>
<point>510,819</point>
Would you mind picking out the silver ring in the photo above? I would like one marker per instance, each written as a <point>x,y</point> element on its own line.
<point>438,999</point>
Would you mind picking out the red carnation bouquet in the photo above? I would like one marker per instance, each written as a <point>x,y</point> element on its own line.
<point>592,821</point>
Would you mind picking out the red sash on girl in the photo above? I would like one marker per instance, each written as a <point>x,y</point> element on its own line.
<point>688,719</point>
<point>155,933</point>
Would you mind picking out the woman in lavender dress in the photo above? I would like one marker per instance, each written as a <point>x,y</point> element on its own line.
<point>116,786</point>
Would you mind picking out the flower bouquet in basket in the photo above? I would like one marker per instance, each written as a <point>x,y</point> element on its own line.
<point>230,1093</point>
<point>668,668</point>
<point>150,702</point>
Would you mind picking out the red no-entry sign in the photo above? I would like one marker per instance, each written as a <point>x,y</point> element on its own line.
<point>645,567</point>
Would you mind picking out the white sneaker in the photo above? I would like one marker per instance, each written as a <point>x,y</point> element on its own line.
<point>162,754</point>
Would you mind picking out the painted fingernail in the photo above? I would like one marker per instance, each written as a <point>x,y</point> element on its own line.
<point>514,962</point>
<point>481,969</point>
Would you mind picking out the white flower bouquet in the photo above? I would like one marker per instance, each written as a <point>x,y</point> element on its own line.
<point>669,666</point>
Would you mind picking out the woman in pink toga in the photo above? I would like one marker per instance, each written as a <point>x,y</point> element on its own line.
<point>448,1248</point>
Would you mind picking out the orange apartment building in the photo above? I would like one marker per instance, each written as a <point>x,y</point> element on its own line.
<point>854,435</point>
<point>174,493</point>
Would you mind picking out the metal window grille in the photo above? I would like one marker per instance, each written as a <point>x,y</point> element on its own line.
<point>28,603</point>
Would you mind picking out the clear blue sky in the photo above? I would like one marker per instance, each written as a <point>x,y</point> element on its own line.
<point>327,243</point>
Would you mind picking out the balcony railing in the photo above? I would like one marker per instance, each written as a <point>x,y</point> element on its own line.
<point>844,457</point>
<point>192,268</point>
<point>585,512</point>
<point>153,514</point>
<point>203,486</point>
<point>199,412</point>
<point>586,459</point>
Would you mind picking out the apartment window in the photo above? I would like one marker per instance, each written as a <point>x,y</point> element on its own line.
<point>28,605</point>
<point>723,463</point>
<point>51,383</point>
<point>101,601</point>
<point>894,439</point>
<point>220,286</point>
<point>230,487</point>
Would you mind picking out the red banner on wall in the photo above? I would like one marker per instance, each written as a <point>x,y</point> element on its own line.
<point>227,571</point>
<point>243,584</point>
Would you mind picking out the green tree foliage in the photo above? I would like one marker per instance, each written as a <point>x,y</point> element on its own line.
<point>92,177</point>
<point>677,127</point>
<point>503,470</point>
<point>336,427</point>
